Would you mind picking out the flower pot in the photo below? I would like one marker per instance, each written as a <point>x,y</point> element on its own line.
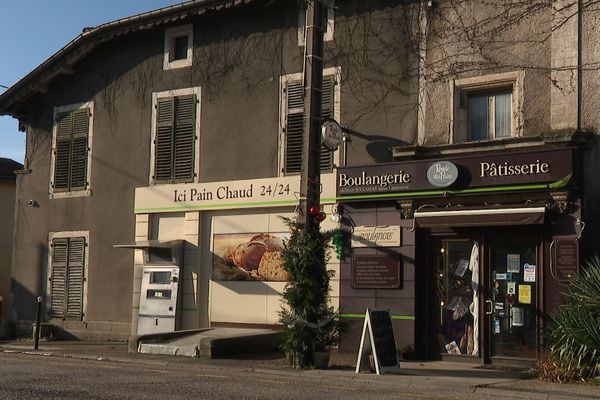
<point>321,359</point>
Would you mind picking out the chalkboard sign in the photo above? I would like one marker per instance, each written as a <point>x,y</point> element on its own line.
<point>378,341</point>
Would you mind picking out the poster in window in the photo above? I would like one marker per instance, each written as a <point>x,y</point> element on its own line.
<point>513,263</point>
<point>249,257</point>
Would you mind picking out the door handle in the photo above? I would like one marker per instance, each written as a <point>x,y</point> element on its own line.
<point>491,310</point>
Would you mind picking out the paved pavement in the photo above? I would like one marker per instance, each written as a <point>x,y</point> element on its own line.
<point>451,377</point>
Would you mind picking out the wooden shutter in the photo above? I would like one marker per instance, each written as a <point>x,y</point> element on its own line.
<point>294,127</point>
<point>66,282</point>
<point>71,153</point>
<point>175,141</point>
<point>163,155</point>
<point>327,111</point>
<point>74,297</point>
<point>58,278</point>
<point>185,138</point>
<point>62,155</point>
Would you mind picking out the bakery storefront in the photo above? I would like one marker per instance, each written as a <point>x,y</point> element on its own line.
<point>486,245</point>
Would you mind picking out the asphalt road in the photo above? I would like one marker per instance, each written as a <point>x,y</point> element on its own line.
<point>27,376</point>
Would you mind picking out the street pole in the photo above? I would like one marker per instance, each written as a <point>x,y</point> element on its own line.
<point>36,342</point>
<point>313,78</point>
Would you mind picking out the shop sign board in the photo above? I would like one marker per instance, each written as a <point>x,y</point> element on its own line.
<point>381,271</point>
<point>473,171</point>
<point>378,340</point>
<point>248,193</point>
<point>376,236</point>
<point>566,259</point>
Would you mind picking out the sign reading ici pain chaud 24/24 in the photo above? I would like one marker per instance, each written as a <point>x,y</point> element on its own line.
<point>477,170</point>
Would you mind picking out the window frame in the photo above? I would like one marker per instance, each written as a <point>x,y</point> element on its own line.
<point>171,34</point>
<point>495,84</point>
<point>53,194</point>
<point>167,94</point>
<point>329,32</point>
<point>68,235</point>
<point>283,81</point>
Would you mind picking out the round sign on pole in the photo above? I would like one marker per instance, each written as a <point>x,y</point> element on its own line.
<point>331,134</point>
<point>442,174</point>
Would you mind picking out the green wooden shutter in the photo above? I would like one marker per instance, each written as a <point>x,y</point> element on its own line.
<point>184,138</point>
<point>294,126</point>
<point>58,278</point>
<point>163,154</point>
<point>327,111</point>
<point>62,155</point>
<point>71,153</point>
<point>74,298</point>
<point>79,150</point>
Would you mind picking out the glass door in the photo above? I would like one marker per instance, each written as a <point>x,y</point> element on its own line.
<point>457,294</point>
<point>511,299</point>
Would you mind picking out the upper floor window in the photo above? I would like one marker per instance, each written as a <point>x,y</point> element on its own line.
<point>71,150</point>
<point>329,14</point>
<point>178,47</point>
<point>175,130</point>
<point>487,107</point>
<point>292,106</point>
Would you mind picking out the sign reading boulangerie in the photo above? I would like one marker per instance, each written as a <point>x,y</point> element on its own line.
<point>376,236</point>
<point>483,169</point>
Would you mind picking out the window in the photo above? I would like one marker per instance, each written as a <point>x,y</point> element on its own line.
<point>330,14</point>
<point>293,119</point>
<point>71,150</point>
<point>67,275</point>
<point>489,115</point>
<point>487,107</point>
<point>178,47</point>
<point>175,138</point>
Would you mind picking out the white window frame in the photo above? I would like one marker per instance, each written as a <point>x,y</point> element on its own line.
<point>173,93</point>
<point>507,81</point>
<point>63,235</point>
<point>75,193</point>
<point>283,81</point>
<point>328,34</point>
<point>170,35</point>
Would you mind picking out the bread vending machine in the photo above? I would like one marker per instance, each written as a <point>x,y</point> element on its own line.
<point>159,309</point>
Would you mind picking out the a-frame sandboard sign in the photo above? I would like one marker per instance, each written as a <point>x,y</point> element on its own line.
<point>378,340</point>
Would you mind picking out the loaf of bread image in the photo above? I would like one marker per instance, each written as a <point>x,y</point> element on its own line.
<point>271,267</point>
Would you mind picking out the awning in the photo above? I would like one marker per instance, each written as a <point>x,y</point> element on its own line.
<point>144,244</point>
<point>480,217</point>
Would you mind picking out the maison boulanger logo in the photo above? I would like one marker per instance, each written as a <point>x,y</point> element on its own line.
<point>442,174</point>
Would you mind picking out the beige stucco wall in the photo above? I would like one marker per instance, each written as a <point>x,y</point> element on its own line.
<point>7,200</point>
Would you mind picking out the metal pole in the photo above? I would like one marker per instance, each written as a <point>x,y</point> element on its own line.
<point>36,343</point>
<point>311,160</point>
<point>1,300</point>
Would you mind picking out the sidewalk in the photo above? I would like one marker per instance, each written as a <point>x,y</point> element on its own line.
<point>441,375</point>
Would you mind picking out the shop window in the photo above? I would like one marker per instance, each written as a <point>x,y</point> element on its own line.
<point>67,276</point>
<point>71,150</point>
<point>175,136</point>
<point>178,47</point>
<point>292,103</point>
<point>487,108</point>
<point>329,14</point>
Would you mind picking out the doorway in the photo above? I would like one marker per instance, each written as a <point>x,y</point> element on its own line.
<point>486,296</point>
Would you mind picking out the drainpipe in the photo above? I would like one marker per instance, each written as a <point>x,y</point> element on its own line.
<point>422,98</point>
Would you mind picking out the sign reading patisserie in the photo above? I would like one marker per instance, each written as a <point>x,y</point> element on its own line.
<point>483,169</point>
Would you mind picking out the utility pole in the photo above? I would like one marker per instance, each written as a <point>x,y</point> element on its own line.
<point>313,79</point>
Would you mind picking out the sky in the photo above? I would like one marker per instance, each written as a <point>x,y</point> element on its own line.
<point>33,30</point>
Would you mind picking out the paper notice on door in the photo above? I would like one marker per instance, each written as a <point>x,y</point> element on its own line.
<point>529,273</point>
<point>525,294</point>
<point>511,288</point>
<point>513,263</point>
<point>518,316</point>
